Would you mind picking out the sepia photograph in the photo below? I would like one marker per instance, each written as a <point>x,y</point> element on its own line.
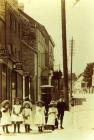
<point>47,69</point>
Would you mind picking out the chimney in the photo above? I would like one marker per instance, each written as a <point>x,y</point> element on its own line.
<point>13,3</point>
<point>21,6</point>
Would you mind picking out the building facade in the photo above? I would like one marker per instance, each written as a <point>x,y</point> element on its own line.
<point>26,54</point>
<point>42,47</point>
<point>6,65</point>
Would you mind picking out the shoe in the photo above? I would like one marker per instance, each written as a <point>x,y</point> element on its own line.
<point>62,127</point>
<point>7,132</point>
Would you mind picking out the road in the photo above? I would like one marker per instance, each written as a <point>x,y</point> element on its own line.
<point>83,115</point>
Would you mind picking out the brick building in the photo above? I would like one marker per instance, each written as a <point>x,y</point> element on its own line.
<point>42,47</point>
<point>26,54</point>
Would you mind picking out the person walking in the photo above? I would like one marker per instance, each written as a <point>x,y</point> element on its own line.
<point>40,116</point>
<point>16,115</point>
<point>61,108</point>
<point>27,115</point>
<point>52,115</point>
<point>5,117</point>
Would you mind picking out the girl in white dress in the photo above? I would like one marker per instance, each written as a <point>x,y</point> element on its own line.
<point>27,115</point>
<point>16,116</point>
<point>40,116</point>
<point>52,115</point>
<point>6,118</point>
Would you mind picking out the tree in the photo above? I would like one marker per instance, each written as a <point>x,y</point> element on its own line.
<point>57,75</point>
<point>87,75</point>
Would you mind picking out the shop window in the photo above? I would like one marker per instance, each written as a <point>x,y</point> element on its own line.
<point>14,84</point>
<point>19,86</point>
<point>4,68</point>
<point>4,85</point>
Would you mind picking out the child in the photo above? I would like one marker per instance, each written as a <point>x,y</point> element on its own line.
<point>16,116</point>
<point>52,115</point>
<point>27,115</point>
<point>40,116</point>
<point>6,118</point>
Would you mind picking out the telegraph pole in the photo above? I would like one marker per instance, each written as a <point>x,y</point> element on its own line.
<point>64,49</point>
<point>71,64</point>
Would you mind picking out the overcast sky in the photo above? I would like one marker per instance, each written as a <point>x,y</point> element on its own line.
<point>80,25</point>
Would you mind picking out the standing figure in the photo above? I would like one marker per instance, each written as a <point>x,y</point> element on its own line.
<point>40,116</point>
<point>16,116</point>
<point>27,115</point>
<point>6,118</point>
<point>52,115</point>
<point>61,109</point>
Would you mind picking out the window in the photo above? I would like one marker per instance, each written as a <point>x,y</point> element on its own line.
<point>14,25</point>
<point>4,82</point>
<point>19,55</point>
<point>42,60</point>
<point>10,49</point>
<point>15,52</point>
<point>19,30</point>
<point>10,20</point>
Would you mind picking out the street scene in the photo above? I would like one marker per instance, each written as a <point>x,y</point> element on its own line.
<point>46,69</point>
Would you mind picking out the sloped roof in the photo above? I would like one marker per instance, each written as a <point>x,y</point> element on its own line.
<point>34,22</point>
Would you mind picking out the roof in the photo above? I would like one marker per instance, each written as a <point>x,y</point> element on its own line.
<point>38,25</point>
<point>31,20</point>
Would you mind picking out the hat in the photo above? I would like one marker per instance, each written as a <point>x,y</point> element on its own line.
<point>27,102</point>
<point>17,99</point>
<point>26,98</point>
<point>5,102</point>
<point>52,103</point>
<point>40,102</point>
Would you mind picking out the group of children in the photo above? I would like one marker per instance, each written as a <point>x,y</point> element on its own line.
<point>22,113</point>
<point>40,118</point>
<point>17,115</point>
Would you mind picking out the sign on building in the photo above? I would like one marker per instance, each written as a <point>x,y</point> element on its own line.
<point>17,65</point>
<point>3,53</point>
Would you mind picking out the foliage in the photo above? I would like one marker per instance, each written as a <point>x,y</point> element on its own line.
<point>57,75</point>
<point>87,75</point>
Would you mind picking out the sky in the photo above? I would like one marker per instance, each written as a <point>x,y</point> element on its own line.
<point>80,26</point>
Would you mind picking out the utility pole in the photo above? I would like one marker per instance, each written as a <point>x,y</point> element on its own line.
<point>71,64</point>
<point>64,49</point>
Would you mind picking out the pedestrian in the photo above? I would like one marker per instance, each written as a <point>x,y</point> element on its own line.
<point>16,115</point>
<point>27,115</point>
<point>61,108</point>
<point>72,101</point>
<point>5,117</point>
<point>52,115</point>
<point>40,116</point>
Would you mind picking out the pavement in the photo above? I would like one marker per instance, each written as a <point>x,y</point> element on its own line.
<point>66,134</point>
<point>78,124</point>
